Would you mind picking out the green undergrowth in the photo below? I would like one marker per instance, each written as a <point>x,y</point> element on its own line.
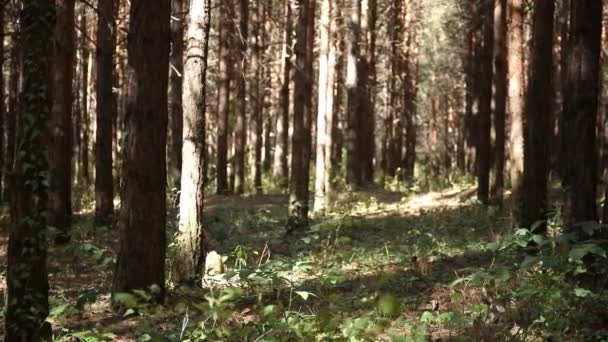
<point>379,266</point>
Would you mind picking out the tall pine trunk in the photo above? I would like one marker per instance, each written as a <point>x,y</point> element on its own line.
<point>60,147</point>
<point>142,223</point>
<point>539,101</point>
<point>281,165</point>
<point>500,98</point>
<point>327,61</point>
<point>176,70</point>
<point>106,113</point>
<point>515,68</point>
<point>191,238</point>
<point>300,156</point>
<point>223,102</point>
<point>240,131</point>
<point>581,108</point>
<point>27,276</point>
<point>484,151</point>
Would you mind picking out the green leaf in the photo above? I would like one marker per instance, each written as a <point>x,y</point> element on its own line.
<point>427,317</point>
<point>388,305</point>
<point>304,294</point>
<point>582,293</point>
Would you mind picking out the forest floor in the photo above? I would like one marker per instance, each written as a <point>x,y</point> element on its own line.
<point>382,266</point>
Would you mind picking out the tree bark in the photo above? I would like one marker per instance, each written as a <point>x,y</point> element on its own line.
<point>539,102</point>
<point>256,92</point>
<point>104,182</point>
<point>176,70</point>
<point>515,68</point>
<point>281,166</point>
<point>300,156</point>
<point>190,253</point>
<point>141,256</point>
<point>27,277</point>
<point>354,99</point>
<point>500,98</point>
<point>223,106</point>
<point>484,143</point>
<point>581,108</point>
<point>327,61</point>
<point>60,148</point>
<point>240,131</point>
<point>13,108</point>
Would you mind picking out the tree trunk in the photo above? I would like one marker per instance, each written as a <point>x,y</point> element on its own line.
<point>581,107</point>
<point>300,156</point>
<point>500,97</point>
<point>13,108</point>
<point>281,166</point>
<point>86,63</point>
<point>327,61</point>
<point>27,277</point>
<point>240,131</point>
<point>539,102</point>
<point>141,257</point>
<point>223,107</point>
<point>104,182</point>
<point>256,92</point>
<point>515,68</point>
<point>176,70</point>
<point>485,103</point>
<point>190,254</point>
<point>354,98</point>
<point>60,147</point>
<point>367,89</point>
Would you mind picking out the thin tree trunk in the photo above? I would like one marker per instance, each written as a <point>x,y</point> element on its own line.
<point>240,131</point>
<point>485,103</point>
<point>104,181</point>
<point>13,108</point>
<point>141,256</point>
<point>300,156</point>
<point>539,102</point>
<point>225,70</point>
<point>86,62</point>
<point>61,141</point>
<point>257,93</point>
<point>191,238</point>
<point>581,108</point>
<point>500,97</point>
<point>353,78</point>
<point>176,70</point>
<point>281,166</point>
<point>327,59</point>
<point>515,61</point>
<point>27,276</point>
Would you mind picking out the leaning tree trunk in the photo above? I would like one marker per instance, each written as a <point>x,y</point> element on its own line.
<point>581,106</point>
<point>485,103</point>
<point>142,223</point>
<point>27,277</point>
<point>106,112</point>
<point>60,144</point>
<point>515,60</point>
<point>300,156</point>
<point>539,104</point>
<point>190,241</point>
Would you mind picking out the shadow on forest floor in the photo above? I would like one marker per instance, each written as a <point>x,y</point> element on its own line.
<point>374,245</point>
